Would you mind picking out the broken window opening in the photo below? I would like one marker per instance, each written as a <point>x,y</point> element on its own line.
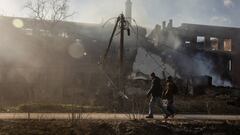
<point>200,42</point>
<point>187,43</point>
<point>200,39</point>
<point>230,65</point>
<point>214,43</point>
<point>228,45</point>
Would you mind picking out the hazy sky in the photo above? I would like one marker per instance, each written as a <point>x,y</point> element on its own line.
<point>147,12</point>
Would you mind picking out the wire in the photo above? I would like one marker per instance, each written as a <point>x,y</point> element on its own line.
<point>109,21</point>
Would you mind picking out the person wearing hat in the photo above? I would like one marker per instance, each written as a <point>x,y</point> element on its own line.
<point>155,92</point>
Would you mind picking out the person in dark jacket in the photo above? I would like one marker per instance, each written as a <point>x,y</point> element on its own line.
<point>155,92</point>
<point>168,95</point>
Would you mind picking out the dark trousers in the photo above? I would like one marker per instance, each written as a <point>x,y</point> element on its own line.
<point>158,101</point>
<point>153,101</point>
<point>171,108</point>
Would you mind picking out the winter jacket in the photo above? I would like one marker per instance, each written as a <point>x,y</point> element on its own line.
<point>169,91</point>
<point>156,88</point>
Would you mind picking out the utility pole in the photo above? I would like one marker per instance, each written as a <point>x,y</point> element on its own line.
<point>122,25</point>
<point>121,52</point>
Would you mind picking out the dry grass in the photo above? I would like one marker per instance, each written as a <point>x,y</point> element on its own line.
<point>66,127</point>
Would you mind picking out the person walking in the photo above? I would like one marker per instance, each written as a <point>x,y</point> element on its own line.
<point>168,97</point>
<point>155,92</point>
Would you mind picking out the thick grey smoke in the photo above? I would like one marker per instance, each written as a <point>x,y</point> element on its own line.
<point>205,66</point>
<point>173,40</point>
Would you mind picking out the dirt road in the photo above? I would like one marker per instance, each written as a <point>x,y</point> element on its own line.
<point>108,116</point>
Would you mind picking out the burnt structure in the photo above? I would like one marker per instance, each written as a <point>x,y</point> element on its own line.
<point>46,62</point>
<point>60,63</point>
<point>216,47</point>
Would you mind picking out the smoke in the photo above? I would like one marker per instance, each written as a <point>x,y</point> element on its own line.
<point>20,59</point>
<point>228,3</point>
<point>199,65</point>
<point>205,67</point>
<point>173,40</point>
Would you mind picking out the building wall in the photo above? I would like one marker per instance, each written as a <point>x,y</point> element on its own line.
<point>236,63</point>
<point>214,39</point>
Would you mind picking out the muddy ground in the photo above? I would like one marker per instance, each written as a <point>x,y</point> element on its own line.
<point>140,127</point>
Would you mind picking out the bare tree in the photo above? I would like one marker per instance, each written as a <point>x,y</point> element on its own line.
<point>48,13</point>
<point>60,10</point>
<point>38,9</point>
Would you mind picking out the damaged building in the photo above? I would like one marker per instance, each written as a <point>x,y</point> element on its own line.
<point>201,50</point>
<point>42,62</point>
<point>61,64</point>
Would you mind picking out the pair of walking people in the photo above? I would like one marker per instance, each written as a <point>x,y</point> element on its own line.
<point>164,97</point>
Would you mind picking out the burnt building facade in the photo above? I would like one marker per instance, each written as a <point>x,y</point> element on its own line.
<point>216,48</point>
